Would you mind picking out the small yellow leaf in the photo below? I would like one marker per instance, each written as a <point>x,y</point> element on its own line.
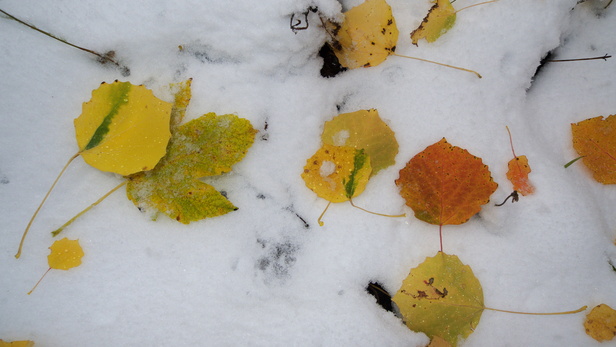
<point>363,129</point>
<point>123,129</point>
<point>367,36</point>
<point>337,173</point>
<point>440,19</point>
<point>600,323</point>
<point>65,254</point>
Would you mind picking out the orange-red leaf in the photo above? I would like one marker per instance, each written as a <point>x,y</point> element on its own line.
<point>445,184</point>
<point>595,139</point>
<point>518,175</point>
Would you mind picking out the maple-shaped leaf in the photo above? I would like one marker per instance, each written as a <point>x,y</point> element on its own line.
<point>65,254</point>
<point>600,323</point>
<point>337,173</point>
<point>445,184</point>
<point>595,140</point>
<point>367,36</point>
<point>365,130</point>
<point>206,146</point>
<point>440,18</point>
<point>441,297</point>
<point>123,129</point>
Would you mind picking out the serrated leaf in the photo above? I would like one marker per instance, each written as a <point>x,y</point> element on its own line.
<point>123,129</point>
<point>445,184</point>
<point>367,36</point>
<point>337,173</point>
<point>206,146</point>
<point>595,140</point>
<point>363,129</point>
<point>441,297</point>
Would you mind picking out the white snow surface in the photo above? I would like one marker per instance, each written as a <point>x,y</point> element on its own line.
<point>258,276</point>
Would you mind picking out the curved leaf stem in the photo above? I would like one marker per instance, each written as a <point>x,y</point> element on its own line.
<point>437,63</point>
<point>322,213</point>
<point>376,213</point>
<point>23,237</point>
<point>59,230</point>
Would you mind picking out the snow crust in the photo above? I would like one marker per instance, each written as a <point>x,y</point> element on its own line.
<point>267,274</point>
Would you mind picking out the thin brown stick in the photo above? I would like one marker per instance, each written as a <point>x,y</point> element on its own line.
<point>604,57</point>
<point>23,238</point>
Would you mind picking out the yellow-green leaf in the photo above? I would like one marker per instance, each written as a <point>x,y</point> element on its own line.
<point>367,36</point>
<point>337,173</point>
<point>123,129</point>
<point>365,130</point>
<point>65,254</point>
<point>440,18</point>
<point>441,297</point>
<point>206,146</point>
<point>23,343</point>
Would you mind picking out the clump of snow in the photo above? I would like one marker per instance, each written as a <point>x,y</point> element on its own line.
<point>327,168</point>
<point>267,274</point>
<point>341,137</point>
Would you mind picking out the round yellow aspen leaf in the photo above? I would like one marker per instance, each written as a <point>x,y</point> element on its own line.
<point>123,129</point>
<point>600,323</point>
<point>337,173</point>
<point>65,254</point>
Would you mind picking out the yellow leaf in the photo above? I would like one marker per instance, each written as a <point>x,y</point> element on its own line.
<point>441,297</point>
<point>367,36</point>
<point>439,20</point>
<point>65,254</point>
<point>600,323</point>
<point>123,129</point>
<point>363,129</point>
<point>337,173</point>
<point>16,343</point>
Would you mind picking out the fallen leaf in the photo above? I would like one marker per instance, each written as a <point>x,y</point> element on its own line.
<point>206,146</point>
<point>445,184</point>
<point>65,254</point>
<point>16,343</point>
<point>441,297</point>
<point>365,130</point>
<point>440,18</point>
<point>337,173</point>
<point>439,342</point>
<point>367,36</point>
<point>600,323</point>
<point>123,129</point>
<point>518,172</point>
<point>595,140</point>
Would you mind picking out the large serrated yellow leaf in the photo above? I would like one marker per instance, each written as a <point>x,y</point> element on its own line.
<point>123,129</point>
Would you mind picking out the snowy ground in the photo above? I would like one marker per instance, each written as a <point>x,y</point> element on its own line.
<point>259,276</point>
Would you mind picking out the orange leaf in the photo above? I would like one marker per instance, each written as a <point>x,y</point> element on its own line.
<point>595,139</point>
<point>445,184</point>
<point>518,175</point>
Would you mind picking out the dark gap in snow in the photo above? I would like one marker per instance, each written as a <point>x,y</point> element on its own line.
<point>331,65</point>
<point>383,298</point>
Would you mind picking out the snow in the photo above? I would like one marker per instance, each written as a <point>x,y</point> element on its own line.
<point>260,276</point>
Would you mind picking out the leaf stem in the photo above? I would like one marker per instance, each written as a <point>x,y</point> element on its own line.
<point>59,230</point>
<point>604,57</point>
<point>376,213</point>
<point>102,58</point>
<point>437,63</point>
<point>440,235</point>
<point>481,3</point>
<point>540,313</point>
<point>322,213</point>
<point>23,238</point>
<point>39,281</point>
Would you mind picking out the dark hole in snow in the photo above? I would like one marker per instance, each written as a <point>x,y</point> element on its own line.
<point>381,295</point>
<point>331,65</point>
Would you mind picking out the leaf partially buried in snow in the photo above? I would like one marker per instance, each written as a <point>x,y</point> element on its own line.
<point>600,323</point>
<point>595,140</point>
<point>206,146</point>
<point>337,173</point>
<point>367,36</point>
<point>440,18</point>
<point>365,130</point>
<point>445,184</point>
<point>441,297</point>
<point>23,343</point>
<point>123,129</point>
